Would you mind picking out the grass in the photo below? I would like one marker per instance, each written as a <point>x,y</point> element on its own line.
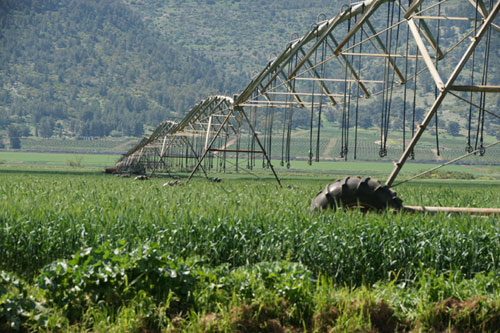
<point>59,162</point>
<point>54,160</point>
<point>104,145</point>
<point>96,252</point>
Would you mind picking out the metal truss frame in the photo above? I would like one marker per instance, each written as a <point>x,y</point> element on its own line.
<point>323,69</point>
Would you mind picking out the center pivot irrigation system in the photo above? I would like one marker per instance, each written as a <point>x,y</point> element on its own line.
<point>424,54</point>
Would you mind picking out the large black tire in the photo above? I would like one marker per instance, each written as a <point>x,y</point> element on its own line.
<point>356,192</point>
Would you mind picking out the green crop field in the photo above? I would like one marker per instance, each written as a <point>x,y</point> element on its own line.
<point>107,145</point>
<point>56,160</point>
<point>88,252</point>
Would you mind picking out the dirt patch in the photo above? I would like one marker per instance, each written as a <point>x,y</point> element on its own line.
<point>438,157</point>
<point>273,318</point>
<point>382,318</point>
<point>322,321</point>
<point>255,318</point>
<point>328,148</point>
<point>472,315</point>
<point>226,146</point>
<point>377,317</point>
<point>451,315</point>
<point>209,321</point>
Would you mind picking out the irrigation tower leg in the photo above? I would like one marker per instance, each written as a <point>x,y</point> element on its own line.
<point>162,153</point>
<point>196,156</point>
<point>209,146</point>
<point>241,111</point>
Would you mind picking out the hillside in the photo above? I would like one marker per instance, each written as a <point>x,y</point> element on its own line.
<point>240,35</point>
<point>73,68</point>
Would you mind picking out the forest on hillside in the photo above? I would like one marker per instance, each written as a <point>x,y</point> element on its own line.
<point>93,68</point>
<point>241,34</point>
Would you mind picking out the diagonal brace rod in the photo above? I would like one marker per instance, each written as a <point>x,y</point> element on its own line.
<point>425,54</point>
<point>209,146</point>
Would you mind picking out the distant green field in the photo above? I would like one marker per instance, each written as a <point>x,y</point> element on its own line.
<point>25,159</point>
<point>104,145</point>
<point>338,169</point>
<point>383,167</point>
<point>325,170</point>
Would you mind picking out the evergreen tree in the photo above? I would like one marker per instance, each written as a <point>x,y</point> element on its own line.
<point>14,136</point>
<point>453,128</point>
<point>46,128</point>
